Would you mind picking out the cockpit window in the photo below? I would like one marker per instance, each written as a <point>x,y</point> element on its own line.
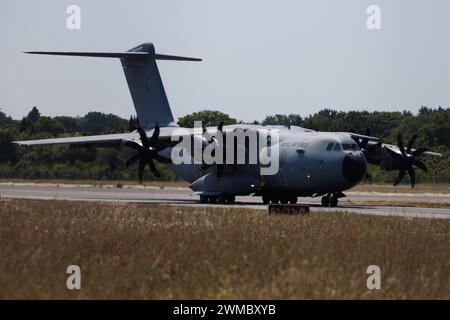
<point>337,147</point>
<point>330,146</point>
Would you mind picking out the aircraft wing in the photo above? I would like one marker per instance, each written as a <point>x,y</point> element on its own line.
<point>106,140</point>
<point>396,149</point>
<point>360,136</point>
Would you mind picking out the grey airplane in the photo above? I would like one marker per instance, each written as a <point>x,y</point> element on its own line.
<point>311,163</point>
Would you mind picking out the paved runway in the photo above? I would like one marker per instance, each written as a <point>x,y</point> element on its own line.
<point>184,196</point>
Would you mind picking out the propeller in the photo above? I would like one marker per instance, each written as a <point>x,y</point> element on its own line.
<point>147,152</point>
<point>362,142</point>
<point>371,151</point>
<point>407,159</point>
<point>219,167</point>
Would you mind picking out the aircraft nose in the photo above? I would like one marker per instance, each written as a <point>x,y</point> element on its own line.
<point>354,168</point>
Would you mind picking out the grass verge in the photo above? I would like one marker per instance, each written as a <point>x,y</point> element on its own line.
<point>144,251</point>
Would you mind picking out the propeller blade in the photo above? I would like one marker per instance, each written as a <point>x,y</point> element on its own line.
<point>401,146</point>
<point>374,147</point>
<point>155,135</point>
<point>143,136</point>
<point>412,175</point>
<point>419,152</point>
<point>135,146</point>
<point>219,173</point>
<point>394,154</point>
<point>365,141</point>
<point>161,158</point>
<point>420,165</point>
<point>400,176</point>
<point>132,160</point>
<point>152,166</point>
<point>410,143</point>
<point>141,170</point>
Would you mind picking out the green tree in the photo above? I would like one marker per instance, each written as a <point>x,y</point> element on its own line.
<point>47,125</point>
<point>282,119</point>
<point>31,118</point>
<point>5,121</point>
<point>209,118</point>
<point>133,123</point>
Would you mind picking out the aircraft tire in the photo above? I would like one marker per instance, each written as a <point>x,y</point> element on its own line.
<point>204,199</point>
<point>333,202</point>
<point>293,200</point>
<point>214,199</point>
<point>284,200</point>
<point>222,199</point>
<point>266,199</point>
<point>231,199</point>
<point>325,201</point>
<point>274,200</point>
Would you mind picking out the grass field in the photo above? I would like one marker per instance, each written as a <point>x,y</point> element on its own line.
<point>165,252</point>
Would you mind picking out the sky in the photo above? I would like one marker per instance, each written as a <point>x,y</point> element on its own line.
<point>260,57</point>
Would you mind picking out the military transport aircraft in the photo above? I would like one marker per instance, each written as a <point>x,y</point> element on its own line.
<point>310,163</point>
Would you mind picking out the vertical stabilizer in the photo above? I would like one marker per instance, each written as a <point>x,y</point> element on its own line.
<point>146,88</point>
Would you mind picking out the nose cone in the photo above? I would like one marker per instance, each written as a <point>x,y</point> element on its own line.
<point>354,168</point>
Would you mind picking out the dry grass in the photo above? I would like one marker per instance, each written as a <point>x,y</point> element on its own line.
<point>396,203</point>
<point>165,252</point>
<point>388,188</point>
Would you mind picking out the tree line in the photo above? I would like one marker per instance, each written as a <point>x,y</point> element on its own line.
<point>63,162</point>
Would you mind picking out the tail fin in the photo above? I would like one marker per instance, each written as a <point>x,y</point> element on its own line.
<point>144,81</point>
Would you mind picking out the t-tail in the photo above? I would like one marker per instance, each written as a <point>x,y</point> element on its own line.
<point>144,81</point>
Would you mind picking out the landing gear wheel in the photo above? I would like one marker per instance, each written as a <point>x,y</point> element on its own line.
<point>274,200</point>
<point>231,199</point>
<point>214,199</point>
<point>333,202</point>
<point>266,199</point>
<point>204,199</point>
<point>325,201</point>
<point>222,199</point>
<point>284,200</point>
<point>293,200</point>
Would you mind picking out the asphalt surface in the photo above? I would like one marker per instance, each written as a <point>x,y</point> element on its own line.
<point>354,203</point>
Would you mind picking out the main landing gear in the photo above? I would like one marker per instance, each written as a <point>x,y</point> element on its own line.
<point>217,199</point>
<point>330,200</point>
<point>274,199</point>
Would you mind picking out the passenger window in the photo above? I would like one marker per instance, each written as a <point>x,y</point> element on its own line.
<point>337,147</point>
<point>330,146</point>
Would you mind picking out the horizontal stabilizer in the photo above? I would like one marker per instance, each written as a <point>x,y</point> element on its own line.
<point>143,78</point>
<point>120,55</point>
